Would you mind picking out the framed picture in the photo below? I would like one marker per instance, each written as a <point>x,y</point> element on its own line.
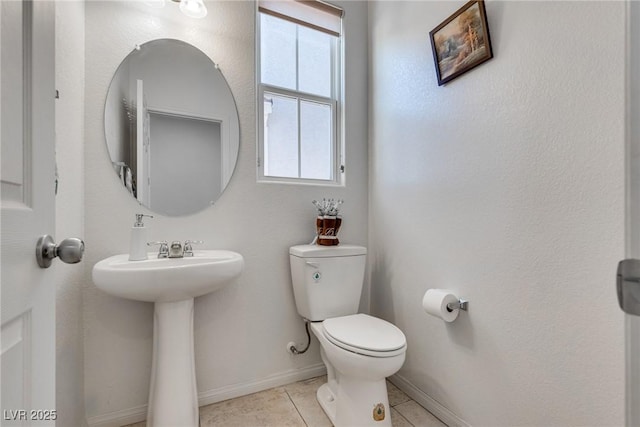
<point>461,42</point>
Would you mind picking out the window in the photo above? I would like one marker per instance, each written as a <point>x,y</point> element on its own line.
<point>299,91</point>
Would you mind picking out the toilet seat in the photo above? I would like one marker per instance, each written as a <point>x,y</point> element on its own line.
<point>364,334</point>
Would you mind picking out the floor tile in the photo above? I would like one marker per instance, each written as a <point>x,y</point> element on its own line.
<point>396,396</point>
<point>296,405</point>
<point>265,409</point>
<point>397,420</point>
<point>417,415</point>
<point>303,396</point>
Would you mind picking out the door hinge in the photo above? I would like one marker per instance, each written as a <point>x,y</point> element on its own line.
<point>628,286</point>
<point>342,168</point>
<point>258,162</point>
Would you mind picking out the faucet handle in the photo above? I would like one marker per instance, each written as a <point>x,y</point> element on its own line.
<point>163,252</point>
<point>188,249</point>
<point>193,242</point>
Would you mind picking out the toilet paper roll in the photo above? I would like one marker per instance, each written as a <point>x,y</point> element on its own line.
<point>435,303</point>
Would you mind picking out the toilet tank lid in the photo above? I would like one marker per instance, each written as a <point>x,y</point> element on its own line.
<point>318,251</point>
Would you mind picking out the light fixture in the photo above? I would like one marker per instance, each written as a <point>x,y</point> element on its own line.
<point>193,8</point>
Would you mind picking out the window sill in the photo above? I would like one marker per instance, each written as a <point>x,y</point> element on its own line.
<point>303,182</point>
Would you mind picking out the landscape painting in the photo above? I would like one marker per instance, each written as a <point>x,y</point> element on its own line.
<point>461,42</point>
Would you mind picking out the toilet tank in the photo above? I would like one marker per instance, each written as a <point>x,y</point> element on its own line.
<point>327,280</point>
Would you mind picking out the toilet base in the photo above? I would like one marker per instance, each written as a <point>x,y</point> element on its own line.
<point>356,390</point>
<point>327,400</point>
<point>356,403</point>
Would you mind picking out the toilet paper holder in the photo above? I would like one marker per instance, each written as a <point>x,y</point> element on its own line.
<point>461,304</point>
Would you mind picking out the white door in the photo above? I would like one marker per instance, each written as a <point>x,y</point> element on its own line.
<point>27,211</point>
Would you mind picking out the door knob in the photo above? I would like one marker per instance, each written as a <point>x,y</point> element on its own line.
<point>69,250</point>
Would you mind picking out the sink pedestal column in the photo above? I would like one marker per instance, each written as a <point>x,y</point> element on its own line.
<point>173,395</point>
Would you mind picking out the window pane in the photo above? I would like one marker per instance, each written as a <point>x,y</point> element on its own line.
<point>277,52</point>
<point>280,136</point>
<point>314,50</point>
<point>315,140</point>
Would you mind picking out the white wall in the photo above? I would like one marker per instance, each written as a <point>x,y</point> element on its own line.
<point>70,210</point>
<point>241,331</point>
<point>507,187</point>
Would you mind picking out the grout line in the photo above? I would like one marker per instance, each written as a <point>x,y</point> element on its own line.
<point>401,403</point>
<point>296,407</point>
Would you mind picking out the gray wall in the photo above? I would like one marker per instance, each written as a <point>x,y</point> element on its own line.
<point>507,187</point>
<point>186,169</point>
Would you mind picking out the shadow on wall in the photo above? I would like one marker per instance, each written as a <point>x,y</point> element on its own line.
<point>380,286</point>
<point>460,331</point>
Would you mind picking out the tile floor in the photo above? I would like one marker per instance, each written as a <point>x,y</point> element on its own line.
<point>296,405</point>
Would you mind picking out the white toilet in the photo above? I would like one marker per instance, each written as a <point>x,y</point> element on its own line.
<point>360,351</point>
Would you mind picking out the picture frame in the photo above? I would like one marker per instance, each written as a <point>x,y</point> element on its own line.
<point>461,42</point>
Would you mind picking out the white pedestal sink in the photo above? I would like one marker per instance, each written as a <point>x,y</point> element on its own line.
<point>172,284</point>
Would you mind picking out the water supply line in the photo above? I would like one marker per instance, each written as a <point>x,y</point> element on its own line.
<point>292,346</point>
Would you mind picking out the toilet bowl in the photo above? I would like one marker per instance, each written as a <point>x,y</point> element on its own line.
<point>359,350</point>
<point>357,366</point>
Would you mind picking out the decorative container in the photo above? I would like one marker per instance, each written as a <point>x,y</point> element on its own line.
<point>328,221</point>
<point>327,228</point>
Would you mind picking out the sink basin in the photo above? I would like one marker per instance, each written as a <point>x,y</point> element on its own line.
<point>167,279</point>
<point>171,284</point>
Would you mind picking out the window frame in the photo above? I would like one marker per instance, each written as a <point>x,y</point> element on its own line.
<point>335,101</point>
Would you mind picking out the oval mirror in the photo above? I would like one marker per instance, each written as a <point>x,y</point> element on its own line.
<point>171,127</point>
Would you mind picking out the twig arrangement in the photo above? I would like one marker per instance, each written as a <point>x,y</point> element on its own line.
<point>328,207</point>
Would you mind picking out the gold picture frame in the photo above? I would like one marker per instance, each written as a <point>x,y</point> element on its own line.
<point>461,42</point>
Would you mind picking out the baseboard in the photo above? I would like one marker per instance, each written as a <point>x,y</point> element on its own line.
<point>139,413</point>
<point>119,418</point>
<point>236,390</point>
<point>426,401</point>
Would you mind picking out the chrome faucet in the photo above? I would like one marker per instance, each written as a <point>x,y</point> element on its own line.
<point>176,250</point>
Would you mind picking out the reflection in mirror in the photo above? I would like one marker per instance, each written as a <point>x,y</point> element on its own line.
<point>171,127</point>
